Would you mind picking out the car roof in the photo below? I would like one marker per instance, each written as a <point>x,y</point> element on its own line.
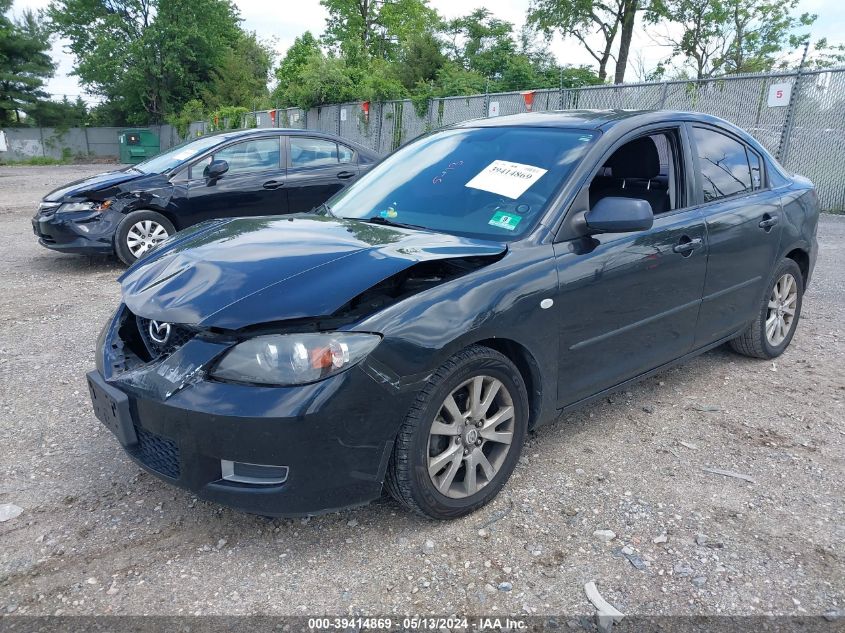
<point>589,119</point>
<point>228,135</point>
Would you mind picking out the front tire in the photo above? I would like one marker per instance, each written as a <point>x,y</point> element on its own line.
<point>138,233</point>
<point>462,437</point>
<point>772,331</point>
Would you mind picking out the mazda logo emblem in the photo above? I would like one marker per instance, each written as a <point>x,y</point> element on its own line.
<point>159,331</point>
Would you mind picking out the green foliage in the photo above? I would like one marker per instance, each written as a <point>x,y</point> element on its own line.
<point>241,78</point>
<point>147,58</point>
<point>290,70</point>
<point>193,110</point>
<point>718,37</point>
<point>24,65</point>
<point>39,160</point>
<point>363,29</point>
<point>596,25</point>
<point>227,118</point>
<point>64,113</point>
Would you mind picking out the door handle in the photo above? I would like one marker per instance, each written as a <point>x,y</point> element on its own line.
<point>686,245</point>
<point>345,174</point>
<point>273,184</point>
<point>768,222</point>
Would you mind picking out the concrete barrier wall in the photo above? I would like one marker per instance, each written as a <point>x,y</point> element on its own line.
<point>90,142</point>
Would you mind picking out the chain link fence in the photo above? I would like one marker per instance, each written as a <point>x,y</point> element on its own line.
<point>804,127</point>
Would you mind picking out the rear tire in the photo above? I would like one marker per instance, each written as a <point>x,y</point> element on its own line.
<point>772,331</point>
<point>138,233</point>
<point>471,417</point>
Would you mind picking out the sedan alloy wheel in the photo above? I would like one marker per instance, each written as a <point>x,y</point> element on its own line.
<point>470,437</point>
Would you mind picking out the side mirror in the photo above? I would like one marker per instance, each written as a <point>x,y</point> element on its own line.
<point>215,170</point>
<point>619,215</point>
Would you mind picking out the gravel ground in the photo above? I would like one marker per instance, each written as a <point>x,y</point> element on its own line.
<point>98,536</point>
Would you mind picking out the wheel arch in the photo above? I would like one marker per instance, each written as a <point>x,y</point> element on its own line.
<point>528,368</point>
<point>801,256</point>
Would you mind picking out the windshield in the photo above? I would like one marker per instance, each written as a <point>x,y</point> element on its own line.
<point>490,183</point>
<point>175,156</point>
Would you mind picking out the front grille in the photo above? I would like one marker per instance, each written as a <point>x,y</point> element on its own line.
<point>179,335</point>
<point>157,453</point>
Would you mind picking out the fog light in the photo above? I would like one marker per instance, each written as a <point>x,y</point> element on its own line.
<point>258,474</point>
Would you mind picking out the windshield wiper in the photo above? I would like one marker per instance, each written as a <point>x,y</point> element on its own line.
<point>387,222</point>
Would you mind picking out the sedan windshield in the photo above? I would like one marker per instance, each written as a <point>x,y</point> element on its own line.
<point>176,156</point>
<point>491,183</point>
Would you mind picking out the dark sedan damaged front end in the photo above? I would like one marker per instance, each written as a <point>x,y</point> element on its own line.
<point>181,366</point>
<point>82,217</point>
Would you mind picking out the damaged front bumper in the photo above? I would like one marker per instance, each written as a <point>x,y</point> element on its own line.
<point>83,232</point>
<point>275,451</point>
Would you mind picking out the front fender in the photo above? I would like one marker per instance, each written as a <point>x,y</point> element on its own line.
<point>500,302</point>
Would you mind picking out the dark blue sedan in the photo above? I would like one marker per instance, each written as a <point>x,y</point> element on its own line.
<point>472,286</point>
<point>243,173</point>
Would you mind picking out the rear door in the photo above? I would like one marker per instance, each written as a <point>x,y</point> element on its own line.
<point>743,219</point>
<point>254,184</point>
<point>317,169</point>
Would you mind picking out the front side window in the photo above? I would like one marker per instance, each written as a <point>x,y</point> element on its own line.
<point>255,155</point>
<point>179,155</point>
<point>317,152</point>
<point>724,165</point>
<point>491,182</point>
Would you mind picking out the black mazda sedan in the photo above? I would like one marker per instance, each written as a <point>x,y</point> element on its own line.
<point>475,284</point>
<point>253,172</point>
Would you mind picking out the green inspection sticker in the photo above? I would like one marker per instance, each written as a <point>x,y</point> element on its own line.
<point>505,220</point>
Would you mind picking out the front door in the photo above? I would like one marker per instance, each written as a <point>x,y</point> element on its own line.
<point>253,185</point>
<point>627,303</point>
<point>318,168</point>
<point>743,218</point>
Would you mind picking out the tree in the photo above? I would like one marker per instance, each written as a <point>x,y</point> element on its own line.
<point>359,29</point>
<point>24,64</point>
<point>61,114</point>
<point>146,58</point>
<point>420,60</point>
<point>730,36</point>
<point>241,78</point>
<point>482,43</point>
<point>290,70</point>
<point>584,19</point>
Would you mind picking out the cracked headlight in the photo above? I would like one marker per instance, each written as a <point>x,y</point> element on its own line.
<point>294,359</point>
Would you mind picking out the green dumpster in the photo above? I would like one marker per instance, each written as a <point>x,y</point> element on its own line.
<point>138,145</point>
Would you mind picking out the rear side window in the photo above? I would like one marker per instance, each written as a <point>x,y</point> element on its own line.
<point>724,165</point>
<point>316,152</point>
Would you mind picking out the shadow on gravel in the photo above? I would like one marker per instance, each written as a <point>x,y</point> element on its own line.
<point>61,263</point>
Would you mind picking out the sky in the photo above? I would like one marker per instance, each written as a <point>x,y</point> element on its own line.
<point>272,21</point>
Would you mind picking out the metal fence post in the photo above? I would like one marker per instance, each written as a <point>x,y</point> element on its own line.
<point>783,147</point>
<point>560,90</point>
<point>663,95</point>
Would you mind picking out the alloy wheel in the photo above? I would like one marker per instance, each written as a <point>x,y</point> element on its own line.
<point>781,312</point>
<point>470,437</point>
<point>144,235</point>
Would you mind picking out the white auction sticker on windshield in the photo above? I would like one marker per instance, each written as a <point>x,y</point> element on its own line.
<point>506,178</point>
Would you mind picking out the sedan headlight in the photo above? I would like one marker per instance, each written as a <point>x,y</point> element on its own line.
<point>294,359</point>
<point>84,206</point>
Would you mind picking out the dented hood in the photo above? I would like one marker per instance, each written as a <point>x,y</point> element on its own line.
<point>246,271</point>
<point>94,183</point>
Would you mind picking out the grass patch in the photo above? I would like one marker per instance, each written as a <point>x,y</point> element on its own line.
<point>37,160</point>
